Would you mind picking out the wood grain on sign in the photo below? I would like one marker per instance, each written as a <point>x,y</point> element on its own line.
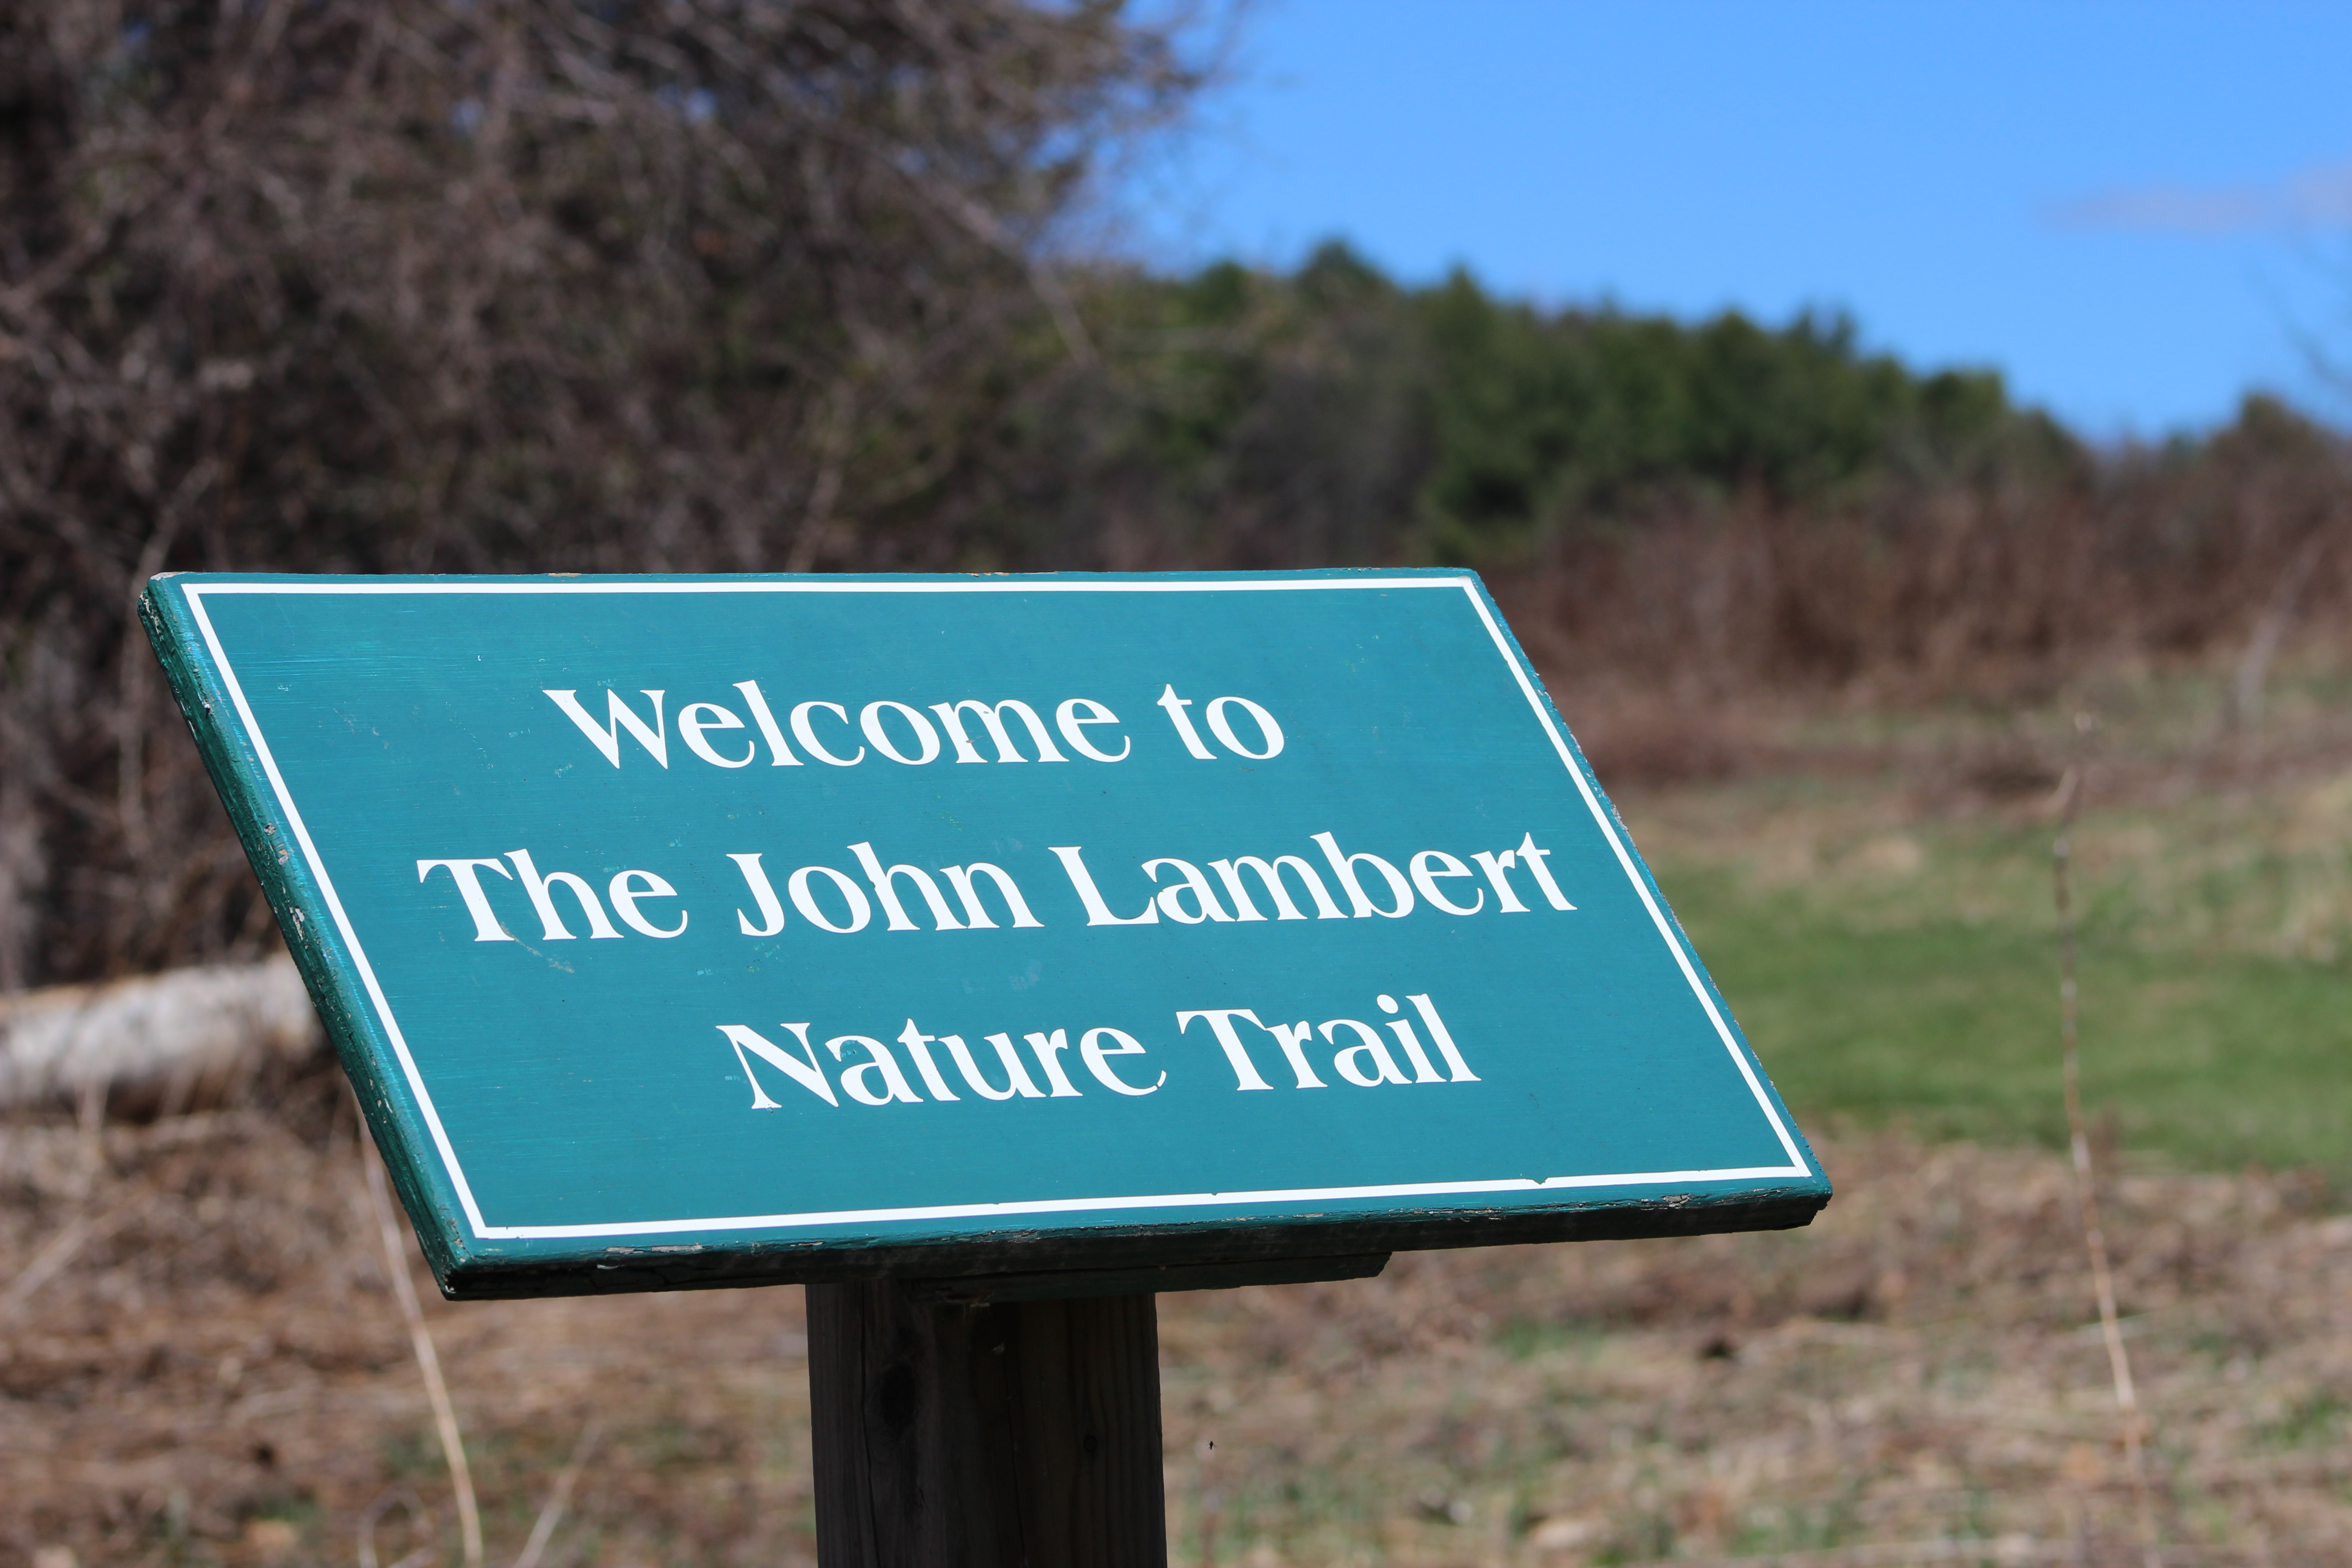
<point>1031,934</point>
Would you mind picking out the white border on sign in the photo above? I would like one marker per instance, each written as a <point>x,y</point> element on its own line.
<point>196,592</point>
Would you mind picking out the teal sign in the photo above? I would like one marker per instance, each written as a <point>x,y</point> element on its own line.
<point>687,930</point>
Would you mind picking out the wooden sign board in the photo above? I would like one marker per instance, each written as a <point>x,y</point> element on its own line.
<point>683,932</point>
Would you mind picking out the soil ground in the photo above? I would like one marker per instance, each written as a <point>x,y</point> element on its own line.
<point>201,1362</point>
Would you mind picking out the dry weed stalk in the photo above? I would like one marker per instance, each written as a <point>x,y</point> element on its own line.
<point>559,1497</point>
<point>2095,1241</point>
<point>62,1250</point>
<point>2244,709</point>
<point>420,1339</point>
<point>420,1521</point>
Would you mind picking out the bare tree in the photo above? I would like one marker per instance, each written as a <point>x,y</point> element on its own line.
<point>470,285</point>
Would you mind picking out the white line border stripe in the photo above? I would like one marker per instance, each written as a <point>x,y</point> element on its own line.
<point>1182,1200</point>
<point>343,924</point>
<point>1633,875</point>
<point>196,593</point>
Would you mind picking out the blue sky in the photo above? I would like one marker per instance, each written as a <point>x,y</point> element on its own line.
<point>2135,212</point>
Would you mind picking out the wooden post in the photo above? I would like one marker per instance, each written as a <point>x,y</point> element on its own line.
<point>1021,1433</point>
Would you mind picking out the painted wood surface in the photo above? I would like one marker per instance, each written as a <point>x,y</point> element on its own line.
<point>985,1436</point>
<point>683,932</point>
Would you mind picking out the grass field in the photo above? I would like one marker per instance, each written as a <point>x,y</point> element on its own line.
<point>1888,942</point>
<point>2214,1061</point>
<point>221,1379</point>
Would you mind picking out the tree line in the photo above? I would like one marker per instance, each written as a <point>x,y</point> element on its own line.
<point>739,285</point>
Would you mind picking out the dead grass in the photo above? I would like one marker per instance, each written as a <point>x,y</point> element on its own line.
<point>218,1374</point>
<point>201,1360</point>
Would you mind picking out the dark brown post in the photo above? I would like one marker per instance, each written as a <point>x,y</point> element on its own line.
<point>1019,1435</point>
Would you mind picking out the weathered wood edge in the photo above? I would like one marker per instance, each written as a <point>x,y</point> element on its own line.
<point>303,918</point>
<point>1030,1253</point>
<point>1158,1279</point>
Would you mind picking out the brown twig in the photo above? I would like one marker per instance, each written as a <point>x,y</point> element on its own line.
<point>2244,709</point>
<point>559,1497</point>
<point>420,1521</point>
<point>420,1339</point>
<point>2094,1242</point>
<point>61,1250</point>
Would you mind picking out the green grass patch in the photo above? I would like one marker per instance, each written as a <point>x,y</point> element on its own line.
<point>1524,1339</point>
<point>2314,1422</point>
<point>1871,1006</point>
